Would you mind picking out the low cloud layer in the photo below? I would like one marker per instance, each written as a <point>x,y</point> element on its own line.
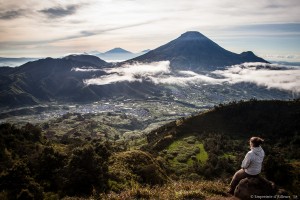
<point>262,74</point>
<point>131,73</point>
<point>86,69</point>
<point>185,78</point>
<point>267,75</point>
<point>156,72</point>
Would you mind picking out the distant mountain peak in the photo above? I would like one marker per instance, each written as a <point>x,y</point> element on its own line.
<point>194,51</point>
<point>118,50</point>
<point>192,35</point>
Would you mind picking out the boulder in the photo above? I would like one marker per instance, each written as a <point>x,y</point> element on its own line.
<point>254,187</point>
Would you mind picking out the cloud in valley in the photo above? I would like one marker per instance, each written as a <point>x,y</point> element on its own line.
<point>271,76</point>
<point>184,78</point>
<point>156,72</point>
<point>131,73</point>
<point>262,74</point>
<point>87,69</point>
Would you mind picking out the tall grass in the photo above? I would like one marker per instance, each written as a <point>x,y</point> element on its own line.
<point>175,190</point>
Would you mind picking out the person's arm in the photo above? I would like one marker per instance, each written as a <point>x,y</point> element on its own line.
<point>246,162</point>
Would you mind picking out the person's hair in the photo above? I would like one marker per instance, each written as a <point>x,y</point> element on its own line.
<point>256,141</point>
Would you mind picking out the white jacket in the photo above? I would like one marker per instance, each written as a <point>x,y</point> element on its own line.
<point>253,161</point>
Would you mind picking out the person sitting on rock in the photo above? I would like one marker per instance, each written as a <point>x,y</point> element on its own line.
<point>251,165</point>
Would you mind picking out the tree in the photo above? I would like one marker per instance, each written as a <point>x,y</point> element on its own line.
<point>85,171</point>
<point>32,132</point>
<point>50,165</point>
<point>17,182</point>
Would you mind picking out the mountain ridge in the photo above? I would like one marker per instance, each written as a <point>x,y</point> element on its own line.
<point>64,79</point>
<point>48,79</point>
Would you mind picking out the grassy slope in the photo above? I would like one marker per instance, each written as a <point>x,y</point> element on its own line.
<point>269,119</point>
<point>182,154</point>
<point>178,190</point>
<point>225,130</point>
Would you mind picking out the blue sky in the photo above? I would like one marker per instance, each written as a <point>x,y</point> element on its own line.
<point>33,28</point>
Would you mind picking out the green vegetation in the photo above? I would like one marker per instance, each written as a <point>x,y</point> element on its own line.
<point>31,166</point>
<point>183,154</point>
<point>76,126</point>
<point>89,157</point>
<point>202,156</point>
<point>225,130</point>
<point>125,173</point>
<point>229,156</point>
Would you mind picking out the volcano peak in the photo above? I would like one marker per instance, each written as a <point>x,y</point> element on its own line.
<point>192,35</point>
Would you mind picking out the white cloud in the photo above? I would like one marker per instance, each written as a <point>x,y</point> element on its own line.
<point>262,74</point>
<point>134,25</point>
<point>156,72</point>
<point>131,73</point>
<point>274,76</point>
<point>85,69</point>
<point>268,75</point>
<point>145,69</point>
<point>110,79</point>
<point>184,78</point>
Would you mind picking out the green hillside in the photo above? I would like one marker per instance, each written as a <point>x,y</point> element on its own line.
<point>191,158</point>
<point>272,120</point>
<point>224,131</point>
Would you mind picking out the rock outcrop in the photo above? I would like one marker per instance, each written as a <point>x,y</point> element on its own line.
<point>254,187</point>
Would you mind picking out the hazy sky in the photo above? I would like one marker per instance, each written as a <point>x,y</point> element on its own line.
<point>35,28</point>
